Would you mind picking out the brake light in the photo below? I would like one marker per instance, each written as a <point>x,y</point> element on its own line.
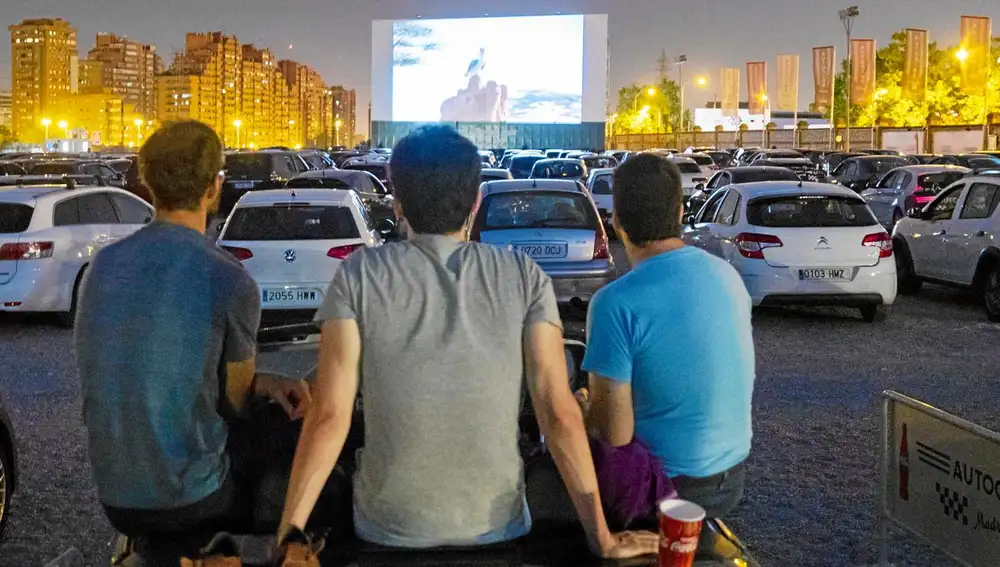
<point>880,240</point>
<point>241,254</point>
<point>753,245</point>
<point>342,252</point>
<point>601,251</point>
<point>26,251</point>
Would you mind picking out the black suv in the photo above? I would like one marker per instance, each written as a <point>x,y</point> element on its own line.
<point>861,172</point>
<point>61,167</point>
<point>257,171</point>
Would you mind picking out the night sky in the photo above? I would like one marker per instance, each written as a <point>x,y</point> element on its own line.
<point>334,36</point>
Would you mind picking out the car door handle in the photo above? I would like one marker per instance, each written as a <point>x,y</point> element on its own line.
<point>981,233</point>
<point>940,233</point>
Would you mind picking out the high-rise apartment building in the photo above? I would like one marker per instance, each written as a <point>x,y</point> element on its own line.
<point>42,55</point>
<point>258,113</point>
<point>5,117</point>
<point>309,93</point>
<point>345,107</point>
<point>177,97</point>
<point>218,61</point>
<point>127,69</point>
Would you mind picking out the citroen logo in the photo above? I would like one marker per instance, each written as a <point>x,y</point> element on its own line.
<point>289,256</point>
<point>822,243</point>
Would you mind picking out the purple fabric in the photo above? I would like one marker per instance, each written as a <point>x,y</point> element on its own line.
<point>631,481</point>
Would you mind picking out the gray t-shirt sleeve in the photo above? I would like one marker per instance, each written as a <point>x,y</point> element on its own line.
<point>342,299</point>
<point>242,320</point>
<point>542,306</point>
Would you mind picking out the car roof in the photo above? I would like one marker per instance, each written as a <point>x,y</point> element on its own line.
<point>601,171</point>
<point>513,185</point>
<point>495,170</point>
<point>788,160</point>
<point>681,159</point>
<point>932,168</point>
<point>333,174</point>
<point>560,160</point>
<point>271,196</point>
<point>992,179</point>
<point>880,157</point>
<point>25,194</point>
<point>780,188</point>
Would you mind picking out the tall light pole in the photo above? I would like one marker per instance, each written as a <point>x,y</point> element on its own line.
<point>680,60</point>
<point>635,101</point>
<point>238,124</point>
<point>46,122</point>
<point>336,126</point>
<point>138,130</point>
<point>65,128</point>
<point>877,112</point>
<point>847,17</point>
<point>701,82</point>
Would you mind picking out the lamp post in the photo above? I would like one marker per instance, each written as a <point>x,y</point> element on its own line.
<point>46,122</point>
<point>701,82</point>
<point>238,124</point>
<point>138,129</point>
<point>65,128</point>
<point>847,17</point>
<point>635,101</point>
<point>336,126</point>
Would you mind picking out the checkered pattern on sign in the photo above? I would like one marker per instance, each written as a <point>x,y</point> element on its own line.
<point>954,503</point>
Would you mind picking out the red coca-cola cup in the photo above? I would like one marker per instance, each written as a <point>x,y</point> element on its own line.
<point>680,526</point>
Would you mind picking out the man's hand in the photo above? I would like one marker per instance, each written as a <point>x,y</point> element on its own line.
<point>624,545</point>
<point>292,395</point>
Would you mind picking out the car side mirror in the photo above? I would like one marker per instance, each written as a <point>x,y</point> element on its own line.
<point>689,220</point>
<point>385,227</point>
<point>699,187</point>
<point>220,226</point>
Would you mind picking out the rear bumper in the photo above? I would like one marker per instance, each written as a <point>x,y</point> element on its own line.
<point>38,286</point>
<point>871,285</point>
<point>839,299</point>
<point>581,284</point>
<point>278,317</point>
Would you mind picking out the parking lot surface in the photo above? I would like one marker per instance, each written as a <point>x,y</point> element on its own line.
<point>812,476</point>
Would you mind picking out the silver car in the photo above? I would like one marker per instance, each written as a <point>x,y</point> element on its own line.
<point>600,183</point>
<point>905,188</point>
<point>555,222</point>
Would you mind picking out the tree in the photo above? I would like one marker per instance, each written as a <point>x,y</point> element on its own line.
<point>6,138</point>
<point>638,112</point>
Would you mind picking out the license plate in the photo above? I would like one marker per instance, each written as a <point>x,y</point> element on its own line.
<point>542,250</point>
<point>823,274</point>
<point>287,295</point>
<point>243,185</point>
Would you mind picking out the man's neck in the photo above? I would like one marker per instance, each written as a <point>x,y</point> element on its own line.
<point>195,220</point>
<point>459,236</point>
<point>655,248</point>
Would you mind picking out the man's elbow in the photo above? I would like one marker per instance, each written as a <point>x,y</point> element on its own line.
<point>562,418</point>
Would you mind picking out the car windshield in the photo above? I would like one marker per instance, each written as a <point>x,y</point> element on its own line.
<point>253,166</point>
<point>53,169</point>
<point>751,175</point>
<point>14,217</point>
<point>376,170</point>
<point>688,167</point>
<point>558,170</point>
<point>882,165</point>
<point>523,165</point>
<point>983,162</point>
<point>317,182</point>
<point>799,211</point>
<point>938,181</point>
<point>539,209</point>
<point>292,223</point>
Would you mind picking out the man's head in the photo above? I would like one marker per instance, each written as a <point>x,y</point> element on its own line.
<point>180,164</point>
<point>435,177</point>
<point>648,200</point>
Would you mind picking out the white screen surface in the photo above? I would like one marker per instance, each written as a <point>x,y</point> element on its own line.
<point>518,69</point>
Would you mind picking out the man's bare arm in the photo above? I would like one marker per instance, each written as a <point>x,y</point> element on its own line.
<point>611,415</point>
<point>327,423</point>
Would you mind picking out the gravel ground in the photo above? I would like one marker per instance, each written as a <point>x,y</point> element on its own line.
<point>812,476</point>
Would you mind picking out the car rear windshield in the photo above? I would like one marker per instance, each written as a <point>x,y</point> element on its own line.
<point>52,169</point>
<point>292,223</point>
<point>602,185</point>
<point>248,166</point>
<point>983,162</point>
<point>883,165</point>
<point>688,167</point>
<point>702,160</point>
<point>808,211</point>
<point>376,170</point>
<point>524,164</point>
<point>14,217</point>
<point>316,183</point>
<point>603,162</point>
<point>938,181</point>
<point>750,175</point>
<point>538,209</point>
<point>558,170</point>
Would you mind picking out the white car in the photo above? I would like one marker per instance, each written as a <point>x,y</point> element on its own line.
<point>292,241</point>
<point>953,241</point>
<point>48,236</point>
<point>692,174</point>
<point>600,183</point>
<point>800,243</point>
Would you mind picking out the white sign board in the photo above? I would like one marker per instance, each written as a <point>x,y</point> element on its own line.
<point>958,141</point>
<point>906,142</point>
<point>942,480</point>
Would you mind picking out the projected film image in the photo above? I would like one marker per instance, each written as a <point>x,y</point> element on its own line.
<point>521,69</point>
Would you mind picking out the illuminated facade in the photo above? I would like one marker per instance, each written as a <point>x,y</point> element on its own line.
<point>345,112</point>
<point>5,117</point>
<point>43,53</point>
<point>100,116</point>
<point>311,102</point>
<point>217,59</point>
<point>177,97</point>
<point>127,69</point>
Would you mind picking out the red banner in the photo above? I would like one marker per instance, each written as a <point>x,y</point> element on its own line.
<point>975,50</point>
<point>824,61</point>
<point>915,65</point>
<point>788,83</point>
<point>756,86</point>
<point>862,71</point>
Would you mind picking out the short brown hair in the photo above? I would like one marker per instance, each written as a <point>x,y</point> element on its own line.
<point>648,198</point>
<point>178,163</point>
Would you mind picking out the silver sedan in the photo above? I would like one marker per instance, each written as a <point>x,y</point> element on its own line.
<point>906,187</point>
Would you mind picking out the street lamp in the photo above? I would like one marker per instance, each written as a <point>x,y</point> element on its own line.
<point>238,124</point>
<point>65,128</point>
<point>767,109</point>
<point>701,82</point>
<point>962,54</point>
<point>138,128</point>
<point>847,17</point>
<point>46,123</point>
<point>337,126</point>
<point>651,91</point>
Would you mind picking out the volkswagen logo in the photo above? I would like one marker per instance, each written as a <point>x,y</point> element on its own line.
<point>822,242</point>
<point>289,255</point>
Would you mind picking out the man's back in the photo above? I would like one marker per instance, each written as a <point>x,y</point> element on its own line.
<point>441,378</point>
<point>678,329</point>
<point>150,340</point>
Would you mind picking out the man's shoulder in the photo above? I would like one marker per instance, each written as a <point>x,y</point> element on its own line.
<point>405,252</point>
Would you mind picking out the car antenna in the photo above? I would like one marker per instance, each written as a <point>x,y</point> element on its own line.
<point>534,183</point>
<point>800,184</point>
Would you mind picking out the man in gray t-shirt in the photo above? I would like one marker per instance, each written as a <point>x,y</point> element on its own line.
<point>439,333</point>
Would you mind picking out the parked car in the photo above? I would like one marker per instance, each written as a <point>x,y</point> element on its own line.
<point>692,174</point>
<point>800,243</point>
<point>62,167</point>
<point>619,155</point>
<point>566,168</point>
<point>487,158</point>
<point>600,184</point>
<point>48,236</point>
<point>971,161</point>
<point>317,159</point>
<point>704,161</point>
<point>292,241</point>
<point>257,171</point>
<point>905,188</point>
<point>922,159</point>
<point>339,157</point>
<point>595,161</point>
<point>8,466</point>
<point>376,164</point>
<point>861,172</point>
<point>521,165</point>
<point>134,183</point>
<point>722,159</point>
<point>487,174</point>
<point>736,175</point>
<point>953,241</point>
<point>376,198</point>
<point>772,154</point>
<point>120,165</point>
<point>882,152</point>
<point>831,161</point>
<point>555,222</point>
<point>10,168</point>
<point>803,167</point>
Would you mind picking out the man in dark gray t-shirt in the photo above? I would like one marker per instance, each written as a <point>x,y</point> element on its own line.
<point>438,333</point>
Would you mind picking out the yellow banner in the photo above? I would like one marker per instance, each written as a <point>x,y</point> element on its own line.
<point>788,82</point>
<point>915,65</point>
<point>862,70</point>
<point>731,91</point>
<point>975,53</point>
<point>824,60</point>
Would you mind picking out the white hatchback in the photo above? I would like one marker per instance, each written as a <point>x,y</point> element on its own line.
<point>800,243</point>
<point>48,236</point>
<point>292,241</point>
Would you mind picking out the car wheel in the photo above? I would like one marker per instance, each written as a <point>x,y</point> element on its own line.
<point>907,281</point>
<point>6,490</point>
<point>991,295</point>
<point>67,319</point>
<point>874,313</point>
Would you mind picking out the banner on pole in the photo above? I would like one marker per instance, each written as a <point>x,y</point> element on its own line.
<point>976,37</point>
<point>823,77</point>
<point>731,91</point>
<point>862,71</point>
<point>756,86</point>
<point>915,65</point>
<point>788,82</point>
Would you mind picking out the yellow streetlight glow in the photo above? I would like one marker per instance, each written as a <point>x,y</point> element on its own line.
<point>237,123</point>
<point>291,123</point>
<point>298,146</point>
<point>701,81</point>
<point>338,123</point>
<point>763,97</point>
<point>46,123</point>
<point>881,93</point>
<point>651,91</point>
<point>137,122</point>
<point>65,128</point>
<point>962,54</point>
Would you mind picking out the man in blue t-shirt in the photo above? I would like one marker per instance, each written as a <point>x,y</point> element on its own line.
<point>670,347</point>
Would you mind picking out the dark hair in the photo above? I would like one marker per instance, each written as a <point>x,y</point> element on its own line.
<point>435,175</point>
<point>178,163</point>
<point>648,198</point>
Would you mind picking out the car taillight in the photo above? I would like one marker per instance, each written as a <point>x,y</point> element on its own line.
<point>26,251</point>
<point>880,240</point>
<point>241,254</point>
<point>342,252</point>
<point>753,245</point>
<point>601,251</point>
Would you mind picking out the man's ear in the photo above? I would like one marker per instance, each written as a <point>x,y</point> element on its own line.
<point>397,208</point>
